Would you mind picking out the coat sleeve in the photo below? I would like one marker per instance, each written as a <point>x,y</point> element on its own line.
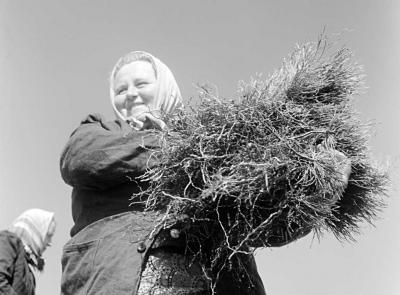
<point>8,255</point>
<point>283,236</point>
<point>100,154</point>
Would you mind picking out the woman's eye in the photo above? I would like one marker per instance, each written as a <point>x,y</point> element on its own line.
<point>121,91</point>
<point>141,84</point>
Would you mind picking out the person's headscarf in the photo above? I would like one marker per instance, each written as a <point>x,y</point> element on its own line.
<point>32,227</point>
<point>168,96</point>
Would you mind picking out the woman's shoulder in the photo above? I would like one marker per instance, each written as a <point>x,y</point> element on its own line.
<point>97,121</point>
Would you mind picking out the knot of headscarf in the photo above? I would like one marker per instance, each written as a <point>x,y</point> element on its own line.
<point>168,96</point>
<point>32,227</point>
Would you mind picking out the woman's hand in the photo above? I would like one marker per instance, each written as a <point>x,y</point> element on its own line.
<point>341,163</point>
<point>147,121</point>
<point>342,166</point>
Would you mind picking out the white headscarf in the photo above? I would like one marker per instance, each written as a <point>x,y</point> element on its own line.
<point>32,227</point>
<point>168,97</point>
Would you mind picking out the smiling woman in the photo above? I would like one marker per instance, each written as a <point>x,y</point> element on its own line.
<point>135,89</point>
<point>117,248</point>
<point>138,84</point>
<point>100,161</point>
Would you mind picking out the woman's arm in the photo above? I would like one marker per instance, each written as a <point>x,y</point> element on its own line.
<point>8,255</point>
<point>101,154</point>
<point>283,235</point>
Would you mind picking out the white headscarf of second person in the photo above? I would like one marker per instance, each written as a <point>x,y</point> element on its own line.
<point>141,84</point>
<point>35,227</point>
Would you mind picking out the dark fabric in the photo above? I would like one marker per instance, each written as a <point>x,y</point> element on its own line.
<point>16,278</point>
<point>102,161</point>
<point>238,282</point>
<point>103,258</point>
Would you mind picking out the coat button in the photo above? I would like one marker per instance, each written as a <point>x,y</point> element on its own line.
<point>141,247</point>
<point>174,233</point>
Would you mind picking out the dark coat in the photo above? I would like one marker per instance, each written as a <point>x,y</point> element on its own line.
<point>16,277</point>
<point>110,239</point>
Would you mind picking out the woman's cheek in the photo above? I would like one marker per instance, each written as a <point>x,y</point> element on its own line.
<point>119,102</point>
<point>148,95</point>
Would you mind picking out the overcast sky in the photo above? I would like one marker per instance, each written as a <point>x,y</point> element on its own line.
<point>54,64</point>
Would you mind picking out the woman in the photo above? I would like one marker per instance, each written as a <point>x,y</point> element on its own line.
<point>114,248</point>
<point>21,249</point>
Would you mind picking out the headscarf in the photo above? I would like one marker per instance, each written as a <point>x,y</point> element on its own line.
<point>32,227</point>
<point>168,96</point>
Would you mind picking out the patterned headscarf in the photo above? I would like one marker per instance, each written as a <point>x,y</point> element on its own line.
<point>32,227</point>
<point>168,96</point>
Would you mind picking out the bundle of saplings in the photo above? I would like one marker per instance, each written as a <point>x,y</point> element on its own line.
<point>265,168</point>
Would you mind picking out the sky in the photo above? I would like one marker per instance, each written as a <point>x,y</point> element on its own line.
<point>55,59</point>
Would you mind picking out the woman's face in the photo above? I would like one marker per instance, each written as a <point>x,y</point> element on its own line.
<point>135,89</point>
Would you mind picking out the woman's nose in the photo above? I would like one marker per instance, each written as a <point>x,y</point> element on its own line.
<point>132,93</point>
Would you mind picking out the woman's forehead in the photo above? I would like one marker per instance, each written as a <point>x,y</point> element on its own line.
<point>135,69</point>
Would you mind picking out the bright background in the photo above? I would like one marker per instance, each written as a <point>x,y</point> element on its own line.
<point>54,64</point>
